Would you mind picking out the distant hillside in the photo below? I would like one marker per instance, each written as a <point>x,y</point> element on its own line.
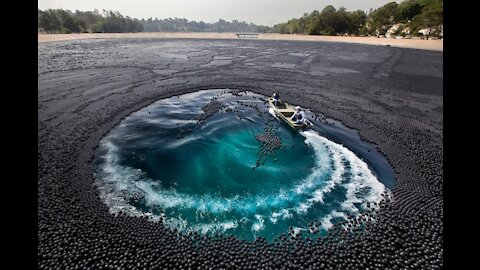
<point>409,18</point>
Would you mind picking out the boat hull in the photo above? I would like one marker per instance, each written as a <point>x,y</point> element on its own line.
<point>285,113</point>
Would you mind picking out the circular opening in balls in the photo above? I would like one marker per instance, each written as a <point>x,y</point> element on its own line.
<point>218,161</point>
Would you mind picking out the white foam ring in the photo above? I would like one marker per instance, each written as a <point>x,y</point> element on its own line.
<point>363,188</point>
<point>259,224</point>
<point>118,184</point>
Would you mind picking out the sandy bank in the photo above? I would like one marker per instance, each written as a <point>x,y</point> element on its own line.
<point>434,45</point>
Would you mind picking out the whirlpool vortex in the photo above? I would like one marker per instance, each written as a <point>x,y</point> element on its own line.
<point>215,161</point>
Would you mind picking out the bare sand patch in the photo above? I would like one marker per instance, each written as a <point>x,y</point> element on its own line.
<point>434,45</point>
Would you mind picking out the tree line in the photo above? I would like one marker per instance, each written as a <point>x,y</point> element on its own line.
<point>65,22</point>
<point>184,25</point>
<point>410,15</point>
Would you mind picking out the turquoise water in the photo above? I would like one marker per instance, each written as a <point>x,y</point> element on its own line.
<point>214,176</point>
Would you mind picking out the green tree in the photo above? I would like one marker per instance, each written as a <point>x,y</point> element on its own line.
<point>384,17</point>
<point>341,21</point>
<point>328,21</point>
<point>49,21</point>
<point>302,24</point>
<point>431,17</point>
<point>87,19</point>
<point>292,27</point>
<point>356,21</point>
<point>408,9</point>
<point>69,23</point>
<point>280,28</point>
<point>313,23</point>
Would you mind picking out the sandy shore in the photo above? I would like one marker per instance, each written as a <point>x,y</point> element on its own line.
<point>434,45</point>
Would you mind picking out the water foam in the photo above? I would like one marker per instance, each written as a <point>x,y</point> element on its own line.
<point>363,179</point>
<point>259,224</point>
<point>119,184</point>
<point>214,227</point>
<point>122,183</point>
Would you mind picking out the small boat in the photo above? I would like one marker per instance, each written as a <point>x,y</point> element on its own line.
<point>284,111</point>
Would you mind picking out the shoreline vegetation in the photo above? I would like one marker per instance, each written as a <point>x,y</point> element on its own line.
<point>412,24</point>
<point>409,19</point>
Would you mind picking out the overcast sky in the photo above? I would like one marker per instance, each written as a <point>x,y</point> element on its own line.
<point>262,12</point>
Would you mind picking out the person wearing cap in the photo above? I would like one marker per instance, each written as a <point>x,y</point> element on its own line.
<point>276,98</point>
<point>298,116</point>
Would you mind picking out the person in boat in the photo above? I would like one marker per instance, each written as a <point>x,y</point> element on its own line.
<point>299,116</point>
<point>276,99</point>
